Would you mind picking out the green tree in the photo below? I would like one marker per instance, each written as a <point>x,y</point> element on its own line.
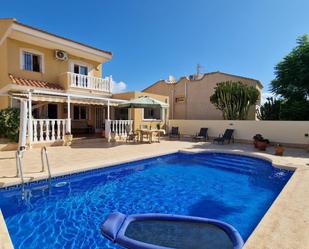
<point>270,110</point>
<point>9,123</point>
<point>295,110</point>
<point>292,73</point>
<point>234,99</point>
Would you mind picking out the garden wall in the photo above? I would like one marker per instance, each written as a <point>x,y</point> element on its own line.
<point>286,132</point>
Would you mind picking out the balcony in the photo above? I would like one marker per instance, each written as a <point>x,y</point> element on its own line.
<point>88,82</point>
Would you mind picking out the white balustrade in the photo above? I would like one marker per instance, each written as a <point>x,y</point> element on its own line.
<point>48,130</point>
<point>117,128</point>
<point>89,82</point>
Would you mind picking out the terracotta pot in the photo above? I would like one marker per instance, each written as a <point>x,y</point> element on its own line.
<point>68,139</point>
<point>255,143</point>
<point>279,150</point>
<point>261,145</point>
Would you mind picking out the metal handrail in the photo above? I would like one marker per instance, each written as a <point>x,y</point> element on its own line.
<point>44,153</point>
<point>20,172</point>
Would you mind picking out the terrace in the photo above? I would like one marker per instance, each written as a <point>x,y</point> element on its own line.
<point>283,226</point>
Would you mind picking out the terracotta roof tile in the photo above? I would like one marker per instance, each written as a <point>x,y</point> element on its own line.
<point>34,83</point>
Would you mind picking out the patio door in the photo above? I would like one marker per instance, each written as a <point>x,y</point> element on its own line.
<point>99,119</point>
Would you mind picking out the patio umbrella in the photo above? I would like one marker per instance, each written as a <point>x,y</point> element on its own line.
<point>143,102</point>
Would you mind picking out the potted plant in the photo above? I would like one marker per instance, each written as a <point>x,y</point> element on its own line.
<point>260,142</point>
<point>68,138</point>
<point>279,149</point>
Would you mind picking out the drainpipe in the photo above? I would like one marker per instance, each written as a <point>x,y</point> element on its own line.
<point>186,112</point>
<point>68,128</point>
<point>172,102</point>
<point>30,124</point>
<point>108,124</point>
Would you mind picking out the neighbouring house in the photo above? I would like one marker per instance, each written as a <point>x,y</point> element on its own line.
<point>61,81</point>
<point>189,97</point>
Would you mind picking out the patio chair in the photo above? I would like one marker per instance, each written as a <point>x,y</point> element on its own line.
<point>174,133</point>
<point>202,135</point>
<point>228,135</point>
<point>131,136</point>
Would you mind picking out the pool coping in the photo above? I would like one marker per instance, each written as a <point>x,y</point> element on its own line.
<point>251,243</point>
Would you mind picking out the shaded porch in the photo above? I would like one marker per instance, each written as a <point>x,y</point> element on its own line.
<point>50,116</point>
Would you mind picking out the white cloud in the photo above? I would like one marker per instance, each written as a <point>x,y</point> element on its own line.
<point>266,95</point>
<point>118,87</point>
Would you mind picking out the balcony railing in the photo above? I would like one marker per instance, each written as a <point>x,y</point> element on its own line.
<point>89,82</point>
<point>48,130</point>
<point>118,128</point>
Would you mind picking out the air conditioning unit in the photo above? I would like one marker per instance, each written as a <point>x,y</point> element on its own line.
<point>61,55</point>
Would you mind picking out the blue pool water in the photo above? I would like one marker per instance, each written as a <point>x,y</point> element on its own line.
<point>231,188</point>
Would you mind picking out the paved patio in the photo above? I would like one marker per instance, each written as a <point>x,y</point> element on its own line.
<point>285,226</point>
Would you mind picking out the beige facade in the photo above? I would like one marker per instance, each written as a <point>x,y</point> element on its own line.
<point>190,98</point>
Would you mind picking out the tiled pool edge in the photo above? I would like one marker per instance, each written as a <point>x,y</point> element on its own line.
<point>5,239</point>
<point>86,169</point>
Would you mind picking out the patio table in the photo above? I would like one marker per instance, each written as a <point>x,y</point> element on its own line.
<point>149,133</point>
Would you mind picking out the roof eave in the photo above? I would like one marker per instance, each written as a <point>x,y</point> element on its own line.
<point>41,34</point>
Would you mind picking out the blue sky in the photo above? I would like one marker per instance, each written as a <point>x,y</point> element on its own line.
<point>151,39</point>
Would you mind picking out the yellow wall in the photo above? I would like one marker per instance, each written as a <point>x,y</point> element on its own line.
<point>53,67</point>
<point>4,78</point>
<point>137,113</point>
<point>4,102</point>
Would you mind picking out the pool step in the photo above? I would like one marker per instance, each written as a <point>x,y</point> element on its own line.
<point>226,166</point>
<point>227,163</point>
<point>243,160</point>
<point>240,164</point>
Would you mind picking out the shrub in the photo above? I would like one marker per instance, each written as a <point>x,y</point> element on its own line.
<point>9,123</point>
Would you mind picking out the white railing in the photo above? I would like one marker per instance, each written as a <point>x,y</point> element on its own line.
<point>89,82</point>
<point>48,130</point>
<point>117,128</point>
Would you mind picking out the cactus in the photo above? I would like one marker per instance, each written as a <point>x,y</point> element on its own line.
<point>234,99</point>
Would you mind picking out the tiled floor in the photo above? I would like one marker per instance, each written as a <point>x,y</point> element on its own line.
<point>285,226</point>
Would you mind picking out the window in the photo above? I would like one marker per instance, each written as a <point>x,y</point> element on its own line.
<point>32,62</point>
<point>180,99</point>
<point>152,113</point>
<point>15,103</point>
<point>80,112</point>
<point>80,69</point>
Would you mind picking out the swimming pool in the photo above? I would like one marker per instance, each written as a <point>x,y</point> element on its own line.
<point>235,189</point>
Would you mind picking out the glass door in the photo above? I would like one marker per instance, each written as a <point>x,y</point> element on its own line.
<point>82,70</point>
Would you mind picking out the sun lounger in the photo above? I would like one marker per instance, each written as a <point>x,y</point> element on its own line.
<point>202,135</point>
<point>227,136</point>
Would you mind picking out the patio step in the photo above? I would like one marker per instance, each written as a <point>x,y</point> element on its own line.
<point>83,140</point>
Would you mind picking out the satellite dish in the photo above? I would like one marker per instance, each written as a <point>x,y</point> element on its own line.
<point>171,79</point>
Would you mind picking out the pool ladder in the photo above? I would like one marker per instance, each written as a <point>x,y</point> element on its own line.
<point>44,155</point>
<point>20,173</point>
